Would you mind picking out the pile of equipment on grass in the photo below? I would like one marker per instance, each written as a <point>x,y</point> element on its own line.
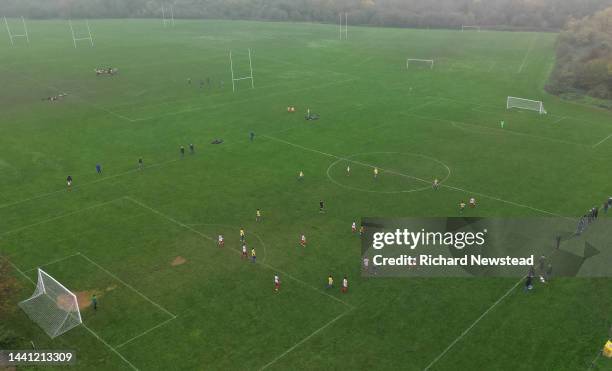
<point>291,109</point>
<point>217,141</point>
<point>106,71</point>
<point>54,98</point>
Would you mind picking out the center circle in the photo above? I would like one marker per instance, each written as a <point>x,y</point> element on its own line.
<point>399,172</point>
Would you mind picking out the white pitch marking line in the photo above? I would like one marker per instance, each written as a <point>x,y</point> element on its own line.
<point>186,226</point>
<point>195,109</point>
<point>128,285</point>
<point>110,347</point>
<point>146,332</point>
<point>52,262</point>
<point>76,95</point>
<point>500,131</point>
<point>89,183</point>
<point>413,177</point>
<point>304,340</point>
<point>533,39</point>
<point>59,216</point>
<point>472,325</point>
<point>19,270</point>
<point>601,141</point>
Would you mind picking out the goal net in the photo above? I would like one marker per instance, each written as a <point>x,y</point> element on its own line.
<point>470,28</point>
<point>52,306</point>
<point>528,104</point>
<point>420,62</point>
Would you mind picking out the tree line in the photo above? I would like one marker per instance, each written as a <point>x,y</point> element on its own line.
<point>584,58</point>
<point>503,14</point>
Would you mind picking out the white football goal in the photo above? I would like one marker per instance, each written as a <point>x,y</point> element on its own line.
<point>52,306</point>
<point>12,35</point>
<point>470,28</point>
<point>528,104</point>
<point>420,62</point>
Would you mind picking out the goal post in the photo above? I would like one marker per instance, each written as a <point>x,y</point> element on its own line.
<point>52,306</point>
<point>426,62</point>
<point>12,35</point>
<point>343,29</point>
<point>470,28</point>
<point>247,77</point>
<point>167,18</point>
<point>528,104</point>
<point>74,34</point>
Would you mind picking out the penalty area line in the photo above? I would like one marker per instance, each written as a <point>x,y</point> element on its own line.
<point>146,332</point>
<point>109,347</point>
<point>128,286</point>
<point>452,344</point>
<point>265,265</point>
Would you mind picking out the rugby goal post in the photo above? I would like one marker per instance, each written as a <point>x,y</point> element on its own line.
<point>165,19</point>
<point>74,34</point>
<point>528,104</point>
<point>470,28</point>
<point>429,62</point>
<point>343,30</point>
<point>248,77</point>
<point>12,35</point>
<point>52,306</point>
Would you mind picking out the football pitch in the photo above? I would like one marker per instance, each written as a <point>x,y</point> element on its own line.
<point>145,241</point>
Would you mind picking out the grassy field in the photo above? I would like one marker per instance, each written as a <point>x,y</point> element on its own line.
<point>118,233</point>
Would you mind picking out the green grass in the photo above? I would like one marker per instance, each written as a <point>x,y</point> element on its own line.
<point>120,231</point>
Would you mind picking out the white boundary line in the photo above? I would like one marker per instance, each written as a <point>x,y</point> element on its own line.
<point>128,285</point>
<point>483,128</point>
<point>52,262</point>
<point>60,216</point>
<point>146,332</point>
<point>304,340</point>
<point>109,346</point>
<point>249,99</point>
<point>533,39</point>
<point>186,226</point>
<point>415,178</point>
<point>135,170</point>
<point>601,141</point>
<point>472,325</point>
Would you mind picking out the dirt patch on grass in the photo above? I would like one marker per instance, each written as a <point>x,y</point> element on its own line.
<point>179,260</point>
<point>66,302</point>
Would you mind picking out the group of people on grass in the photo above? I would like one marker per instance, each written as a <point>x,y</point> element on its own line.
<point>53,98</point>
<point>110,71</point>
<point>592,214</point>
